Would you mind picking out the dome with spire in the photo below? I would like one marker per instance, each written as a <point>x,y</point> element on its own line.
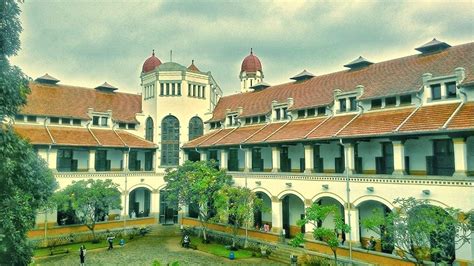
<point>151,63</point>
<point>251,64</point>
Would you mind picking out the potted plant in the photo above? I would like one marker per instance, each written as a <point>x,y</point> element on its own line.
<point>264,249</point>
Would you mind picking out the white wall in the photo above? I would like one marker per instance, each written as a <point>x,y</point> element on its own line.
<point>82,157</point>
<point>329,152</point>
<point>368,151</point>
<point>417,150</point>
<point>295,153</point>
<point>267,157</point>
<point>296,209</point>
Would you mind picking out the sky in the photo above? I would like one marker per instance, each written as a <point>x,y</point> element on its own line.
<point>85,43</point>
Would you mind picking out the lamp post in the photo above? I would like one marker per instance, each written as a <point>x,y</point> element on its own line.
<point>348,197</point>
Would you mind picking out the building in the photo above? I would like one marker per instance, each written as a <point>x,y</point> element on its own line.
<point>399,128</point>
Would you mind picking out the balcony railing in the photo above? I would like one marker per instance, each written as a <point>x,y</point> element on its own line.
<point>105,174</point>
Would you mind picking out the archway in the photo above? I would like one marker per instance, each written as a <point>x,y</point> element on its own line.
<point>168,211</point>
<point>329,221</point>
<point>139,202</point>
<point>293,210</point>
<point>263,218</point>
<point>384,242</point>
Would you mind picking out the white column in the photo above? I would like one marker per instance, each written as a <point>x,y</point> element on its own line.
<point>125,160</point>
<point>52,157</point>
<point>125,205</point>
<point>224,159</point>
<point>275,159</point>
<point>349,157</point>
<point>353,223</point>
<point>248,160</point>
<point>91,161</point>
<point>398,158</point>
<point>308,158</point>
<point>308,228</point>
<point>156,163</point>
<point>203,155</point>
<point>460,157</point>
<point>277,215</point>
<point>155,204</point>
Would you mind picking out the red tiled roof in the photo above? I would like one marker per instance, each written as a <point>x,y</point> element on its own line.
<point>295,130</point>
<point>72,136</point>
<point>71,101</point>
<point>464,118</point>
<point>382,122</point>
<point>239,135</point>
<point>393,77</point>
<point>330,127</point>
<point>430,117</point>
<point>265,131</point>
<point>34,134</point>
<point>215,137</point>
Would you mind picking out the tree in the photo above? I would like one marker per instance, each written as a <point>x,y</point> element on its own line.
<point>90,199</point>
<point>420,231</point>
<point>27,183</point>
<point>196,183</point>
<point>237,204</point>
<point>330,236</point>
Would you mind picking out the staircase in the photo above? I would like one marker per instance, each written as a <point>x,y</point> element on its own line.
<point>165,230</point>
<point>283,252</point>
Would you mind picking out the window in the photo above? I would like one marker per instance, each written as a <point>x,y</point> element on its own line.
<point>196,128</point>
<point>65,162</point>
<point>248,120</point>
<point>263,119</point>
<point>376,103</point>
<point>95,120</point>
<point>133,163</point>
<point>149,129</point>
<point>277,114</point>
<point>179,89</point>
<point>20,118</point>
<point>322,110</point>
<point>436,92</point>
<point>76,122</point>
<point>285,113</point>
<point>148,161</point>
<point>66,121</point>
<point>342,105</point>
<point>31,118</point>
<point>203,91</point>
<point>162,89</point>
<point>131,126</point>
<point>405,99</point>
<point>311,112</point>
<point>101,162</point>
<point>352,103</point>
<point>390,101</point>
<point>170,141</point>
<point>103,121</point>
<point>122,125</point>
<point>54,120</point>
<point>451,90</point>
<point>301,113</point>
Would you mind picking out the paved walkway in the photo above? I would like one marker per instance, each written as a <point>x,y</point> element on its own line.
<point>147,249</point>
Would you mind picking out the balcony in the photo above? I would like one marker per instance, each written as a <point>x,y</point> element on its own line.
<point>107,174</point>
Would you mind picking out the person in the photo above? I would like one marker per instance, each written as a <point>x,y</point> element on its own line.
<point>82,254</point>
<point>134,215</point>
<point>371,244</point>
<point>110,240</point>
<point>186,241</point>
<point>122,242</point>
<point>266,227</point>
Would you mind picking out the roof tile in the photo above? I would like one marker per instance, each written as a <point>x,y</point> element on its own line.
<point>330,127</point>
<point>464,119</point>
<point>430,117</point>
<point>295,130</point>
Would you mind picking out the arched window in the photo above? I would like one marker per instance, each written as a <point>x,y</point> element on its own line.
<point>149,129</point>
<point>170,141</point>
<point>196,128</point>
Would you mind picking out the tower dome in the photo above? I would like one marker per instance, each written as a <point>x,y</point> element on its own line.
<point>251,64</point>
<point>151,63</point>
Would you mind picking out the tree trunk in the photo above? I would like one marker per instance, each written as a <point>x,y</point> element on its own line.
<point>335,256</point>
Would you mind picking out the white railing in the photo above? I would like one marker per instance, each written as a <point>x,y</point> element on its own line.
<point>105,174</point>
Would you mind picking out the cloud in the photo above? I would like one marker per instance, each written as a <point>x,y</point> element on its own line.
<point>85,42</point>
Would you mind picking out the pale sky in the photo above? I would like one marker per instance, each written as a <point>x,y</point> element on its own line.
<point>85,43</point>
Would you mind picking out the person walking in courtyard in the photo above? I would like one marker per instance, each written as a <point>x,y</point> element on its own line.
<point>82,254</point>
<point>110,240</point>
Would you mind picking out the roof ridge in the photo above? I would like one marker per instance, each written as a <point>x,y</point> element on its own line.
<point>210,136</point>
<point>445,125</point>
<point>80,87</point>
<point>223,137</point>
<point>95,138</point>
<point>347,124</point>
<point>273,133</point>
<point>407,118</point>
<point>125,144</point>
<point>49,133</point>
<point>317,126</point>
<point>255,133</point>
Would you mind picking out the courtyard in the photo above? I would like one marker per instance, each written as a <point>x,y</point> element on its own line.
<point>145,251</point>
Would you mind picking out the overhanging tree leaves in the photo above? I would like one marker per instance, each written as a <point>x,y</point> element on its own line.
<point>90,199</point>
<point>237,204</point>
<point>317,213</point>
<point>26,182</point>
<point>196,183</point>
<point>421,231</point>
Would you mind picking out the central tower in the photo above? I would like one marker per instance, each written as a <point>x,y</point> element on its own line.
<point>250,72</point>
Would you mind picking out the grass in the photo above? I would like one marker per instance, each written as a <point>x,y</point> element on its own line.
<point>221,251</point>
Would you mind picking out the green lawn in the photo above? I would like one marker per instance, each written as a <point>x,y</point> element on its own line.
<point>221,251</point>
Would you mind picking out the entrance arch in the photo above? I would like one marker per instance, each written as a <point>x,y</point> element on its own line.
<point>293,210</point>
<point>261,218</point>
<point>139,202</point>
<point>366,209</point>
<point>168,211</point>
